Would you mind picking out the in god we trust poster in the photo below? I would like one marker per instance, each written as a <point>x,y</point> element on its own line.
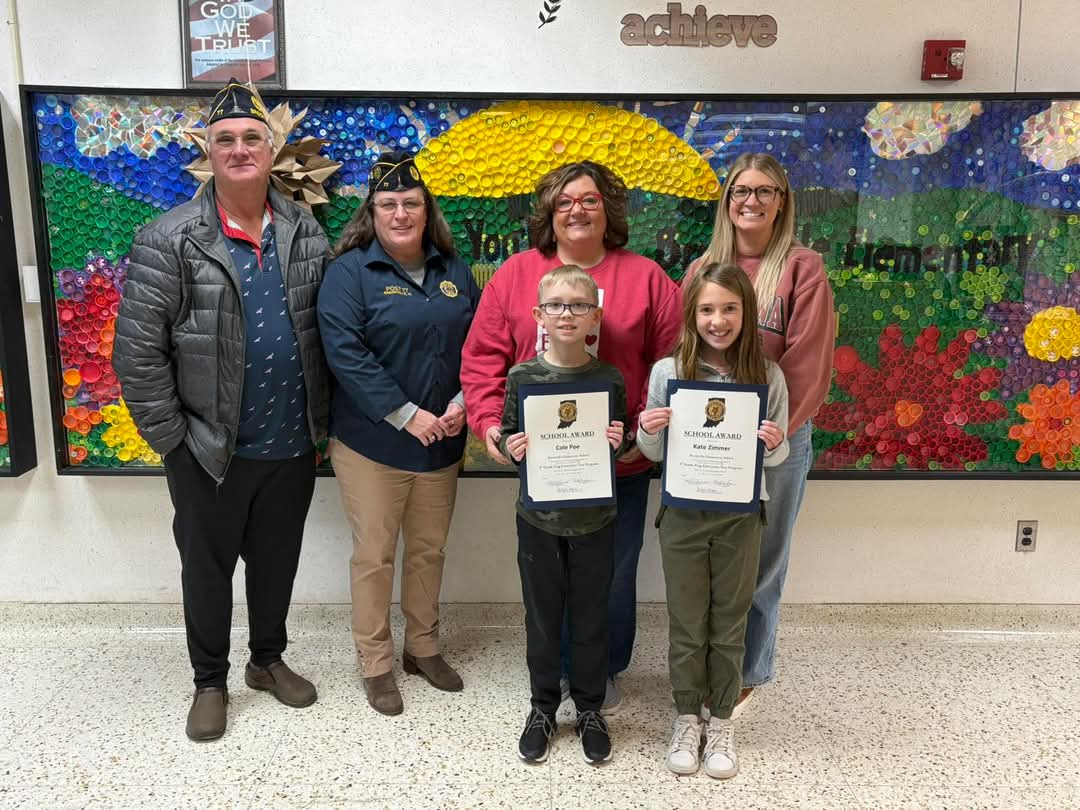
<point>233,38</point>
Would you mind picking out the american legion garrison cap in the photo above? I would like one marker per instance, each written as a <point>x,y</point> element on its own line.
<point>394,171</point>
<point>236,100</point>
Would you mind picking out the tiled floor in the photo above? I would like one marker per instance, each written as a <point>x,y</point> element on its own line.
<point>874,707</point>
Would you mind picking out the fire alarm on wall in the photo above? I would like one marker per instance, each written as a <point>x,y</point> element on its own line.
<point>943,59</point>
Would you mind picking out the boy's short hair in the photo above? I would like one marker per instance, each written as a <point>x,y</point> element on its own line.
<point>568,274</point>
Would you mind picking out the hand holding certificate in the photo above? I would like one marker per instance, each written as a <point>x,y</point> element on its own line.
<point>713,455</point>
<point>568,435</point>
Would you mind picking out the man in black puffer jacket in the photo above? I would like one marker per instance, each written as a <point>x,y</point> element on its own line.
<point>218,352</point>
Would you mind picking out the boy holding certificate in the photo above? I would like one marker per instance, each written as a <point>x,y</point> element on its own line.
<point>565,555</point>
<point>710,557</point>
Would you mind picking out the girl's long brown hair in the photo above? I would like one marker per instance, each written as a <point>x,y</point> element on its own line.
<point>744,356</point>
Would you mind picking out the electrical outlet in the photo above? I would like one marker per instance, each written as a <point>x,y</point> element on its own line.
<point>1026,531</point>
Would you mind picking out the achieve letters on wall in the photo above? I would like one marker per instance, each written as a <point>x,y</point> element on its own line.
<point>950,231</point>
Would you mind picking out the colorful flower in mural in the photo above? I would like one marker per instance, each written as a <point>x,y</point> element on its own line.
<point>911,410</point>
<point>1052,427</point>
<point>1049,139</point>
<point>96,419</point>
<point>901,129</point>
<point>1038,335</point>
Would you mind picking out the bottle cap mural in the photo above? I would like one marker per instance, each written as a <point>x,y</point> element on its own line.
<point>950,232</point>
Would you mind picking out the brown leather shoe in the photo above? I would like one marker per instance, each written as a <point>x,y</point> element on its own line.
<point>206,717</point>
<point>281,682</point>
<point>435,670</point>
<point>383,694</point>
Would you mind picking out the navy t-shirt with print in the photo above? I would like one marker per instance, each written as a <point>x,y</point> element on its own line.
<point>273,409</point>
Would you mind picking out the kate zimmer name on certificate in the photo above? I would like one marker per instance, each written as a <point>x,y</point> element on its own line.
<point>713,456</point>
<point>569,461</point>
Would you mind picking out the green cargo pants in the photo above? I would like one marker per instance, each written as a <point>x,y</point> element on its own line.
<point>710,567</point>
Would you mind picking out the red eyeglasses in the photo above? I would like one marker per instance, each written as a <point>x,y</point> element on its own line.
<point>590,202</point>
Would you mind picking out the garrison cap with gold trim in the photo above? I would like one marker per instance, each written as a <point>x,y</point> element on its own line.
<point>394,171</point>
<point>236,100</point>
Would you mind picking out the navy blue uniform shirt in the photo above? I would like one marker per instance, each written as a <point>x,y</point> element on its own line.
<point>273,409</point>
<point>390,341</point>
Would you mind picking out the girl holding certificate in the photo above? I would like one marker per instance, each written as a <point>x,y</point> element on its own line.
<point>755,229</point>
<point>711,557</point>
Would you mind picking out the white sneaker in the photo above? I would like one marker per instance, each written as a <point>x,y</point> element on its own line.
<point>721,761</point>
<point>685,744</point>
<point>612,698</point>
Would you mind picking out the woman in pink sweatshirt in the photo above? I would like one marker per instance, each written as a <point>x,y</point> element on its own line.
<point>755,229</point>
<point>580,218</point>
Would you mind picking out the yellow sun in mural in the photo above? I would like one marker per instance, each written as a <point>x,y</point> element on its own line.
<point>505,149</point>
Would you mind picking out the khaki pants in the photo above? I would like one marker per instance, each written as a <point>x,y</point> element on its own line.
<point>379,502</point>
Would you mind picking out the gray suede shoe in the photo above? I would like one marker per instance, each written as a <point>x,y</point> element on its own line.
<point>206,717</point>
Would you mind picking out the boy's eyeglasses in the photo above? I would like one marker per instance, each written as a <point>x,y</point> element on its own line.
<point>565,203</point>
<point>764,194</point>
<point>576,308</point>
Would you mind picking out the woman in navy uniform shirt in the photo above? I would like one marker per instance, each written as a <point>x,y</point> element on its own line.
<point>394,310</point>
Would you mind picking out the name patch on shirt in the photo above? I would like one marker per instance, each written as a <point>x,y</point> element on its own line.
<point>394,289</point>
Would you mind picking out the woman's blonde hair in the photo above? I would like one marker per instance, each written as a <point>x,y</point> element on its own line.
<point>744,356</point>
<point>721,248</point>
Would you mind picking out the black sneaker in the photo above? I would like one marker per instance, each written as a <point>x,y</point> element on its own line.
<point>535,742</point>
<point>595,739</point>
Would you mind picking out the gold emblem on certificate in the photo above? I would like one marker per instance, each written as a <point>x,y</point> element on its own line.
<point>715,409</point>
<point>567,413</point>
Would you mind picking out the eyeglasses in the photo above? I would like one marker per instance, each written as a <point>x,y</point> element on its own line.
<point>576,308</point>
<point>389,207</point>
<point>764,194</point>
<point>251,140</point>
<point>564,203</point>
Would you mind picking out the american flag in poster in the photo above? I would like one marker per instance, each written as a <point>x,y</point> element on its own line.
<point>229,37</point>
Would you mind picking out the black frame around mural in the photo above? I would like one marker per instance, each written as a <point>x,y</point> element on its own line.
<point>13,362</point>
<point>50,330</point>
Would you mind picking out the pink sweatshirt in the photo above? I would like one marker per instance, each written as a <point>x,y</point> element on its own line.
<point>798,329</point>
<point>642,318</point>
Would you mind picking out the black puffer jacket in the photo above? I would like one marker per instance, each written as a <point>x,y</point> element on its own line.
<point>179,351</point>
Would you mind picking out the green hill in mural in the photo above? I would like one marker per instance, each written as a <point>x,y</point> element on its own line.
<point>87,218</point>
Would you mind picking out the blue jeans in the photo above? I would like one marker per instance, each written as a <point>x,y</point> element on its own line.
<point>786,485</point>
<point>632,496</point>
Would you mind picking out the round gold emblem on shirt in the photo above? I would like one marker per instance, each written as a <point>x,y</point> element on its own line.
<point>449,289</point>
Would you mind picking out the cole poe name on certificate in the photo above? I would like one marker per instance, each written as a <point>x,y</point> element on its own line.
<point>564,440</point>
<point>569,459</point>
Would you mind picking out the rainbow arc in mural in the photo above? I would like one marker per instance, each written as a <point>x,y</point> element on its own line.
<point>950,231</point>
